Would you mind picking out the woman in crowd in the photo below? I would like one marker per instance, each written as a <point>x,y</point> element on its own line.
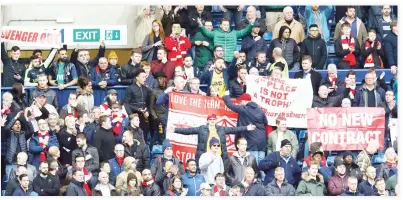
<point>132,187</point>
<point>153,41</point>
<point>19,98</point>
<point>85,97</point>
<point>176,188</point>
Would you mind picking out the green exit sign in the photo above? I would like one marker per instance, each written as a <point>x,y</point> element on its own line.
<point>112,34</point>
<point>86,35</point>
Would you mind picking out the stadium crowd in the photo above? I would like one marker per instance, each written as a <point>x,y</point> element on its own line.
<point>81,149</point>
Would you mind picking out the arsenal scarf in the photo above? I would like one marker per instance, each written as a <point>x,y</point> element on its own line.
<point>347,42</point>
<point>105,105</point>
<point>43,138</point>
<point>118,125</point>
<point>147,184</point>
<point>119,160</point>
<point>72,112</point>
<point>333,80</point>
<point>369,60</point>
<point>216,189</point>
<point>85,185</point>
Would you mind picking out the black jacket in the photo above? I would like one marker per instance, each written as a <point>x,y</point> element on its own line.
<point>105,142</point>
<point>48,186</point>
<point>153,190</point>
<point>251,47</point>
<point>316,79</point>
<point>137,134</point>
<point>235,88</point>
<point>245,22</point>
<point>76,188</point>
<point>340,53</point>
<point>339,84</point>
<point>84,69</point>
<point>141,153</point>
<point>18,104</point>
<point>137,97</point>
<point>167,21</point>
<point>376,54</point>
<point>127,74</point>
<point>16,140</point>
<point>254,189</point>
<point>390,44</point>
<point>68,67</point>
<point>158,171</point>
<point>378,26</point>
<point>67,144</point>
<point>51,96</point>
<point>194,25</point>
<point>290,50</point>
<point>317,49</point>
<point>334,101</point>
<point>11,67</point>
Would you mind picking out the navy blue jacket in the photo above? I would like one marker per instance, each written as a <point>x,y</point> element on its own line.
<point>291,168</point>
<point>20,192</point>
<point>35,149</point>
<point>250,46</point>
<point>110,76</point>
<point>207,77</point>
<point>250,114</point>
<point>89,131</point>
<point>115,168</point>
<point>13,139</point>
<point>348,193</point>
<point>367,189</point>
<point>390,44</point>
<point>361,101</point>
<point>192,183</point>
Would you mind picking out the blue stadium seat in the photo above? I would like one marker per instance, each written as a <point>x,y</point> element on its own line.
<point>157,149</point>
<point>378,159</point>
<point>330,160</point>
<point>330,49</point>
<point>302,134</point>
<point>268,36</point>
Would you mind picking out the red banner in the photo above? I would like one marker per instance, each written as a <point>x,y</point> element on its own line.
<point>346,128</point>
<point>190,110</point>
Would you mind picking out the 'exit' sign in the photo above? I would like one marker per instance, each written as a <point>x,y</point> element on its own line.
<point>86,35</point>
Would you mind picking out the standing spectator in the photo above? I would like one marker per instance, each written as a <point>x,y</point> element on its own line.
<point>339,182</point>
<point>71,108</point>
<point>308,72</point>
<point>162,64</point>
<point>117,162</point>
<point>279,62</point>
<point>90,153</point>
<point>62,73</point>
<point>113,63</point>
<point>284,159</point>
<point>238,162</point>
<point>153,41</point>
<point>40,143</point>
<point>170,16</point>
<point>372,51</point>
<point>137,150</point>
<point>76,186</point>
<point>296,30</point>
<point>250,113</point>
<point>43,88</point>
<point>150,80</point>
<point>225,37</point>
<point>130,165</point>
<point>35,68</point>
<point>219,187</point>
<point>134,127</point>
<point>210,162</point>
<point>232,11</point>
<point>352,188</point>
<point>218,52</point>
<point>288,45</point>
<point>364,158</point>
<point>143,22</point>
<point>334,83</point>
<point>388,168</point>
<point>177,45</point>
<point>111,99</point>
<point>380,187</point>
<point>89,179</point>
<point>176,187</point>
<point>347,47</point>
<point>217,77</point>
<point>46,184</point>
<point>203,48</point>
<point>237,86</point>
<point>249,186</point>
<point>67,140</point>
<point>315,46</point>
<point>103,185</point>
<point>203,14</point>
<point>105,167</point>
<point>102,75</point>
<point>55,165</point>
<point>14,69</point>
<point>251,17</point>
<point>254,43</point>
<point>383,22</point>
<point>272,14</point>
<point>279,186</point>
<point>357,27</point>
<point>159,111</point>
<point>119,121</point>
<point>85,97</point>
<point>192,179</point>
<point>367,187</point>
<point>352,169</point>
<point>131,187</point>
<point>189,71</point>
<point>129,69</point>
<point>148,186</point>
<point>104,140</point>
<point>19,98</point>
<point>194,86</point>
<point>312,182</point>
<point>369,95</point>
<point>390,45</point>
<point>23,189</point>
<point>278,135</point>
<point>81,60</point>
<point>314,15</point>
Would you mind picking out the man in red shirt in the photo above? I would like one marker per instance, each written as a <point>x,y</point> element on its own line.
<point>177,44</point>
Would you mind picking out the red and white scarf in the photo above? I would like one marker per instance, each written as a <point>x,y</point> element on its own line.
<point>118,125</point>
<point>347,42</point>
<point>333,80</point>
<point>369,60</point>
<point>216,189</point>
<point>43,138</point>
<point>72,111</point>
<point>87,177</point>
<point>240,82</point>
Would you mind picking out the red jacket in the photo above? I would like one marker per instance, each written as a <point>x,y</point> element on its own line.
<point>168,68</point>
<point>177,48</point>
<point>337,185</point>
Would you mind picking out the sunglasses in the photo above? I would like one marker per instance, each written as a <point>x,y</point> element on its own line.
<point>216,145</point>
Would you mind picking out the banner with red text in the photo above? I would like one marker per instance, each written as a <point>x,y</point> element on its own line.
<point>190,110</point>
<point>32,36</point>
<point>287,98</point>
<point>346,128</point>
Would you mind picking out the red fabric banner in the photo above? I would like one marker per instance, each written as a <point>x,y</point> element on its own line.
<point>346,128</point>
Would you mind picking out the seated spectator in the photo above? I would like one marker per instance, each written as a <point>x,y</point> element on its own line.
<point>199,12</point>
<point>162,64</point>
<point>213,90</point>
<point>136,150</point>
<point>203,47</point>
<point>43,88</point>
<point>40,143</point>
<point>352,188</point>
<point>372,51</point>
<point>153,41</point>
<point>380,187</point>
<point>62,73</point>
<point>226,37</point>
<point>249,186</point>
<point>205,190</point>
<point>102,75</point>
<point>148,185</point>
<point>382,22</point>
<point>210,162</point>
<point>90,153</point>
<point>364,158</point>
<point>150,80</point>
<point>71,108</point>
<point>347,48</point>
<point>338,183</point>
<point>352,168</point>
<point>219,76</point>
<point>367,187</point>
<point>278,135</point>
<point>103,185</point>
<point>324,100</point>
<point>313,14</point>
<point>22,160</point>
<point>13,184</point>
<point>358,32</point>
<point>334,83</point>
<point>279,186</point>
<point>129,69</point>
<point>177,50</point>
<point>176,188</point>
<point>192,179</point>
<point>280,62</point>
<point>284,159</point>
<point>390,45</point>
<point>24,189</point>
<point>189,70</point>
<point>46,184</point>
<point>375,96</point>
<point>129,165</point>
<point>219,187</point>
<point>105,142</point>
<point>288,45</point>
<point>309,72</point>
<point>85,97</point>
<point>76,186</point>
<point>312,183</point>
<point>317,155</point>
<point>315,46</point>
<point>81,59</point>
<point>132,186</point>
<point>261,63</point>
<point>296,30</point>
<point>388,168</point>
<point>237,87</point>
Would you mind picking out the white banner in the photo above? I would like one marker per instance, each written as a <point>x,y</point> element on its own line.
<point>31,36</point>
<point>288,98</point>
